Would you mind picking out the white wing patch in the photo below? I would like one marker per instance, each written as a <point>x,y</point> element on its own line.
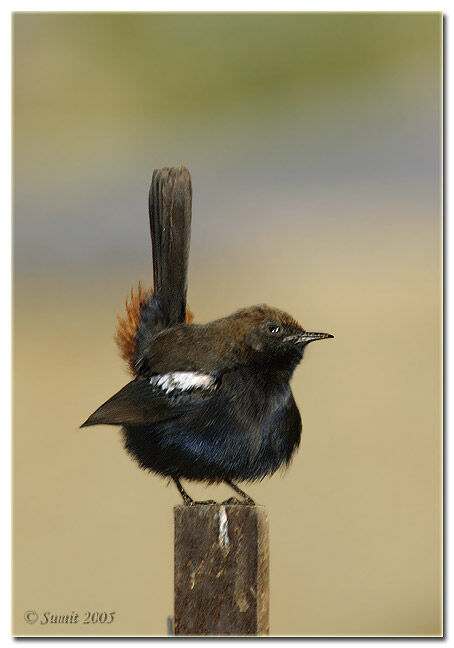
<point>183,381</point>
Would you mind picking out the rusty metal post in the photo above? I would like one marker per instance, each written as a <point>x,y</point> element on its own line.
<point>221,570</point>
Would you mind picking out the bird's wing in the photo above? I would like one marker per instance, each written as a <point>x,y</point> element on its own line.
<point>161,397</point>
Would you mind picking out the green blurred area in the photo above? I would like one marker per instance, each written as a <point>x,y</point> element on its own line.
<point>164,66</point>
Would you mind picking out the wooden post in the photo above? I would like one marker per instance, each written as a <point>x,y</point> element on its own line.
<point>221,570</point>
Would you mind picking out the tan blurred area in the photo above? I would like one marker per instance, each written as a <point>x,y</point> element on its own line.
<point>314,146</point>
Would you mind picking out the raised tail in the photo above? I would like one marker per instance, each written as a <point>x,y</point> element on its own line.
<point>148,312</point>
<point>169,207</point>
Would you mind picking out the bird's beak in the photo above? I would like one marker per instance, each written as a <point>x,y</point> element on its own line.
<point>306,337</point>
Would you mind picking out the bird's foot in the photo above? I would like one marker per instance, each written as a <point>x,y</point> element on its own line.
<point>235,501</point>
<point>246,501</point>
<point>188,501</point>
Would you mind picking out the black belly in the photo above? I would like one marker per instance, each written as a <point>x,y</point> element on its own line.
<point>244,438</point>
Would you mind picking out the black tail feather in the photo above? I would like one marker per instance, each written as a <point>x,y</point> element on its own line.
<point>170,223</point>
<point>170,201</point>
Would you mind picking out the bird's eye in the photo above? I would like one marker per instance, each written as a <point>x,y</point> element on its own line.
<point>273,327</point>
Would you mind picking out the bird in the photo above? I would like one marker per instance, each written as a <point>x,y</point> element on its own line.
<point>207,402</point>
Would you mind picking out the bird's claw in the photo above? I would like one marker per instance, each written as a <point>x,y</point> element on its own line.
<point>236,501</point>
<point>202,503</point>
<point>232,500</point>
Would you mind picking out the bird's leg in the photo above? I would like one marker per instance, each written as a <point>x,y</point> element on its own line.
<point>186,499</point>
<point>233,500</point>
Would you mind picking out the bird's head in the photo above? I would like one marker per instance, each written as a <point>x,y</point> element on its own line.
<point>273,336</point>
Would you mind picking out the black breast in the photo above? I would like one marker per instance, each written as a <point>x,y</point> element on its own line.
<point>244,431</point>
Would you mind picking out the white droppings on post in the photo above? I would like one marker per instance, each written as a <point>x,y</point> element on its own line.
<point>223,529</point>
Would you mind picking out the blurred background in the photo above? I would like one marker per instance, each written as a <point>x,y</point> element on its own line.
<point>314,144</point>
